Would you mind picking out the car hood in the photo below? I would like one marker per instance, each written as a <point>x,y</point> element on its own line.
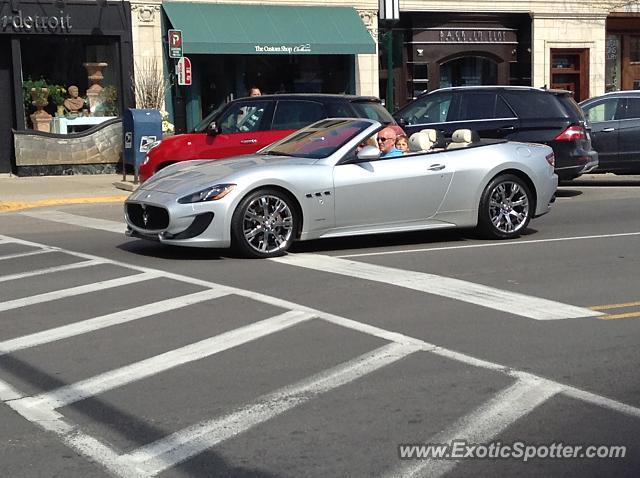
<point>191,176</point>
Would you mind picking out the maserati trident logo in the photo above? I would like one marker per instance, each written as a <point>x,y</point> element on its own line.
<point>145,215</point>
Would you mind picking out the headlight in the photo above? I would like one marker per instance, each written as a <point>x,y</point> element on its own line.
<point>212,193</point>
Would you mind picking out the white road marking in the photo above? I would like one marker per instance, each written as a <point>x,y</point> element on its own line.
<point>491,244</point>
<point>7,392</point>
<point>490,297</point>
<point>109,320</point>
<point>25,254</point>
<point>50,270</point>
<point>177,447</point>
<point>75,220</point>
<point>482,425</point>
<point>122,465</point>
<point>137,371</point>
<point>82,289</point>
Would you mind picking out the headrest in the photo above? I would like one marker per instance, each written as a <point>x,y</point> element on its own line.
<point>462,136</point>
<point>420,141</point>
<point>432,134</point>
<point>465,136</point>
<point>437,138</point>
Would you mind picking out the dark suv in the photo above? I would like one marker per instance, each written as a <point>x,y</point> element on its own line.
<point>516,113</point>
<point>615,129</point>
<point>246,125</point>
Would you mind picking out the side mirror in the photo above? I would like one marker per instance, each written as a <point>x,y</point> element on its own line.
<point>368,153</point>
<point>212,129</point>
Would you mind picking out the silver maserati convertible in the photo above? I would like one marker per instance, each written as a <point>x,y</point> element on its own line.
<point>327,180</point>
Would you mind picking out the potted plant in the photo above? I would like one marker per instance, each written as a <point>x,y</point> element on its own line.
<point>109,100</point>
<point>58,93</point>
<point>35,91</point>
<point>38,92</point>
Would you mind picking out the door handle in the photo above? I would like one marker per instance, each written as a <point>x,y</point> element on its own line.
<point>248,141</point>
<point>608,130</point>
<point>436,167</point>
<point>507,128</point>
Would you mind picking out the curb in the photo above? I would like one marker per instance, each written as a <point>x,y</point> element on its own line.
<point>126,185</point>
<point>11,206</point>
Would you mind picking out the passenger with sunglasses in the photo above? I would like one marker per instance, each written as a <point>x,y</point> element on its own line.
<point>387,143</point>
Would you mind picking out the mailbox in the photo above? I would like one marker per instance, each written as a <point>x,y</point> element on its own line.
<point>140,129</point>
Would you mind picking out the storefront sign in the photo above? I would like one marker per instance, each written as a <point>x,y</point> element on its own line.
<point>20,23</point>
<point>469,35</point>
<point>290,49</point>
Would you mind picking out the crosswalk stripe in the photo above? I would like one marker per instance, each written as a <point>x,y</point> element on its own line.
<point>137,371</point>
<point>75,220</point>
<point>180,446</point>
<point>51,270</point>
<point>97,323</point>
<point>490,297</point>
<point>19,255</point>
<point>79,290</point>
<point>482,425</point>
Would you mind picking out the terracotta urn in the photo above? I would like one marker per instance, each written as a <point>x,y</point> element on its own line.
<point>40,119</point>
<point>94,73</point>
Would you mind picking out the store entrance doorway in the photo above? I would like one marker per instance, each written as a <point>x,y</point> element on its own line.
<point>469,71</point>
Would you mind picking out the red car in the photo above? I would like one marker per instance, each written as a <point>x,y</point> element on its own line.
<point>246,125</point>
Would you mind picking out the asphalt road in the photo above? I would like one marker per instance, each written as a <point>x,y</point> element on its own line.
<point>125,358</point>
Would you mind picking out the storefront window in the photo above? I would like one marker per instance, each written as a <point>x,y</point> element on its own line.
<point>230,76</point>
<point>82,77</point>
<point>634,49</point>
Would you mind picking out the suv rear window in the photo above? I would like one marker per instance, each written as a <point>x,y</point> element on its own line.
<point>536,104</point>
<point>572,108</point>
<point>374,111</point>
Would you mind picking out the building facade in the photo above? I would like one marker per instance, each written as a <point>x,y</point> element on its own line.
<point>337,46</point>
<point>587,46</point>
<point>56,44</point>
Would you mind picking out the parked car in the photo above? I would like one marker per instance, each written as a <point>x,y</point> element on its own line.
<point>615,130</point>
<point>516,113</point>
<point>325,180</point>
<point>246,125</point>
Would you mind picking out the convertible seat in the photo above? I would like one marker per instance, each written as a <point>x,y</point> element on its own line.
<point>462,138</point>
<point>426,140</point>
<point>421,141</point>
<point>437,138</point>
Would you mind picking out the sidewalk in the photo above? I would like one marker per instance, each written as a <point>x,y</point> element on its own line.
<point>18,193</point>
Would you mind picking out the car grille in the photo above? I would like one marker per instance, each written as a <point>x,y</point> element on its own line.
<point>148,217</point>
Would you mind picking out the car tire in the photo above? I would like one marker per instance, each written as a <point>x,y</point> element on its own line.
<point>506,208</point>
<point>264,224</point>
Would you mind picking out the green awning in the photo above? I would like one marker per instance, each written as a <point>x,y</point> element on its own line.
<point>209,28</point>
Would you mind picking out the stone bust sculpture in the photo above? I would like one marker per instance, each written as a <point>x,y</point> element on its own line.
<point>73,104</point>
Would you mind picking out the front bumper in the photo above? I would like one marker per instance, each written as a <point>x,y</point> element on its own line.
<point>159,217</point>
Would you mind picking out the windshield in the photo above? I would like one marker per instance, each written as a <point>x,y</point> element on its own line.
<point>318,140</point>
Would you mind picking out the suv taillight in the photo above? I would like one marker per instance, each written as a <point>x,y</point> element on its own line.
<point>572,133</point>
